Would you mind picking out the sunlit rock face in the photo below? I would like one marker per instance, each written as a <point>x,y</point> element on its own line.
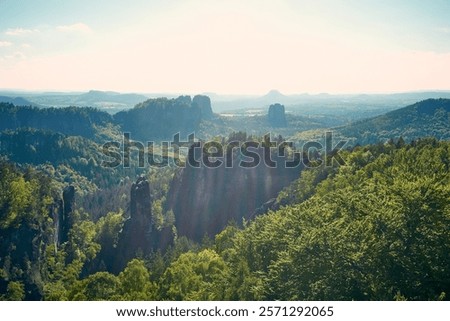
<point>204,200</point>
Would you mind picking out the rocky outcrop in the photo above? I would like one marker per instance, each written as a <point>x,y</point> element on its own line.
<point>138,237</point>
<point>65,209</point>
<point>204,200</point>
<point>23,246</point>
<point>186,99</point>
<point>264,208</point>
<point>140,202</point>
<point>277,116</point>
<point>134,238</point>
<point>162,118</point>
<point>204,103</point>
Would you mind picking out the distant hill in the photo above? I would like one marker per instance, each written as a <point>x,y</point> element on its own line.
<point>97,98</point>
<point>109,101</point>
<point>18,101</point>
<point>161,118</point>
<point>324,103</point>
<point>153,118</point>
<point>428,118</point>
<point>273,96</point>
<point>69,121</point>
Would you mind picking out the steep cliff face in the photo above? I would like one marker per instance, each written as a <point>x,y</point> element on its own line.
<point>65,214</point>
<point>61,212</point>
<point>204,103</point>
<point>138,236</point>
<point>135,238</point>
<point>163,118</point>
<point>204,200</point>
<point>276,116</point>
<point>30,225</point>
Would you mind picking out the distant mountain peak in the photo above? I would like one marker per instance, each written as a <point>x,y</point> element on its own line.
<point>100,92</point>
<point>274,93</point>
<point>274,96</point>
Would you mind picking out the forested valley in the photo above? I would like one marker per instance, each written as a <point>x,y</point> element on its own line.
<point>373,226</point>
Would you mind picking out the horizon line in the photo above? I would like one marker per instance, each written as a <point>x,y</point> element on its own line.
<point>188,92</point>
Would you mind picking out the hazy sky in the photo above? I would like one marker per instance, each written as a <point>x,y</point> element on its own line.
<point>240,47</point>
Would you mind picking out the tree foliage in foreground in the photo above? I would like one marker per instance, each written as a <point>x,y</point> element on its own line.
<point>374,229</point>
<point>378,229</point>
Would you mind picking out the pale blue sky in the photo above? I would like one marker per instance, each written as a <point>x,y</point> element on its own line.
<point>225,46</point>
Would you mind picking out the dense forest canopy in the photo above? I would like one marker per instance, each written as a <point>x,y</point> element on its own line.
<point>71,120</point>
<point>374,227</point>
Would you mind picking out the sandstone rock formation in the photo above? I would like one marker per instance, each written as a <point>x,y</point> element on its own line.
<point>64,223</point>
<point>204,200</point>
<point>163,118</point>
<point>276,116</point>
<point>204,103</point>
<point>139,237</point>
<point>134,239</point>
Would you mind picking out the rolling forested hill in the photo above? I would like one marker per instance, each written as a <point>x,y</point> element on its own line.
<point>374,227</point>
<point>73,121</point>
<point>428,118</point>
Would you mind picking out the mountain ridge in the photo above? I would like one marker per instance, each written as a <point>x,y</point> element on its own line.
<point>429,117</point>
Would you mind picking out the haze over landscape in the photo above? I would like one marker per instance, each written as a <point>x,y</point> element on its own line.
<point>227,47</point>
<point>225,150</point>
